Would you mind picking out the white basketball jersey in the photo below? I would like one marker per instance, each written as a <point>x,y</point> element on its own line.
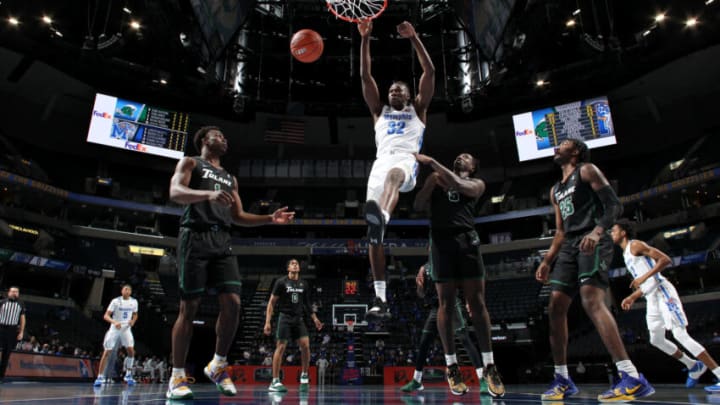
<point>640,265</point>
<point>123,310</point>
<point>398,131</point>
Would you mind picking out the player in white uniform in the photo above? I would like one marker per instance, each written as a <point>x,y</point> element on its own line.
<point>664,309</point>
<point>399,129</point>
<point>122,313</point>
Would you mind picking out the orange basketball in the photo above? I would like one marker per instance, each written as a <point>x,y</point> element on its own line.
<point>306,46</point>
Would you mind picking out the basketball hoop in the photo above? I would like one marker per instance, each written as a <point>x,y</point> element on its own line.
<point>350,325</point>
<point>356,10</point>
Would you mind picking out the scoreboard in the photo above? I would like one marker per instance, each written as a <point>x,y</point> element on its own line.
<point>138,127</point>
<point>537,133</point>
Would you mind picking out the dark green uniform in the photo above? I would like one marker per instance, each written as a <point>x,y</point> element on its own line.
<point>455,251</point>
<point>580,209</point>
<point>204,245</point>
<point>293,304</point>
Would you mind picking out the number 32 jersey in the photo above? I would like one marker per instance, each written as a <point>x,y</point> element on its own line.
<point>398,131</point>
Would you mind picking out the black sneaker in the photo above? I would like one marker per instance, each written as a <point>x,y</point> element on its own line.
<point>376,222</point>
<point>378,311</point>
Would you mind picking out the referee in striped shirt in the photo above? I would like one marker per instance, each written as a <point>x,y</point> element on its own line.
<point>12,326</point>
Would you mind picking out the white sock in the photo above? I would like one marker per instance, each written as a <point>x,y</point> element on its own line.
<point>101,376</point>
<point>218,359</point>
<point>380,288</point>
<point>386,215</point>
<point>129,361</point>
<point>716,371</point>
<point>628,367</point>
<point>450,359</point>
<point>177,373</point>
<point>417,376</point>
<point>488,358</point>
<point>687,361</point>
<point>562,370</point>
<point>479,372</point>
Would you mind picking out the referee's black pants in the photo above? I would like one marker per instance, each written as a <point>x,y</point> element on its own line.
<point>8,341</point>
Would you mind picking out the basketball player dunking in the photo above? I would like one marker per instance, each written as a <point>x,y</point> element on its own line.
<point>399,129</point>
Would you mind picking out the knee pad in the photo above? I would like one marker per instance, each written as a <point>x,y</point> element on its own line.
<point>657,339</point>
<point>688,342</point>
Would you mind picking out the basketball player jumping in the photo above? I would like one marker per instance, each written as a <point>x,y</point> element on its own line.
<point>122,313</point>
<point>399,129</point>
<point>585,209</point>
<point>293,296</point>
<point>664,308</point>
<point>212,205</point>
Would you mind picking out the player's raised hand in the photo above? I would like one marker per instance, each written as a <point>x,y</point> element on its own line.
<point>406,30</point>
<point>283,216</point>
<point>365,27</point>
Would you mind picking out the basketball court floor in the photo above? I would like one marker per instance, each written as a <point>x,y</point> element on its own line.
<point>22,393</point>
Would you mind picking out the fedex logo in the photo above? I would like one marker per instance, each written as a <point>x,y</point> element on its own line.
<point>524,132</point>
<point>135,146</point>
<point>101,114</point>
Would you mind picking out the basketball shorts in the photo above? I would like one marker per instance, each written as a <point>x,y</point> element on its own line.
<point>205,260</point>
<point>573,269</point>
<point>456,257</point>
<point>382,165</point>
<point>664,308</point>
<point>290,328</point>
<point>124,335</point>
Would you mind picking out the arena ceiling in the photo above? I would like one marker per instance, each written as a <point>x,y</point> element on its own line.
<point>499,55</point>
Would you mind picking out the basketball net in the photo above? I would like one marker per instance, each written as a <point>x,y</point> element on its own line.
<point>356,10</point>
<point>350,325</point>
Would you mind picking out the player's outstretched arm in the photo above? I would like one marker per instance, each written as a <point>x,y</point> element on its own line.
<point>281,216</point>
<point>426,87</point>
<point>371,94</point>
<point>473,188</point>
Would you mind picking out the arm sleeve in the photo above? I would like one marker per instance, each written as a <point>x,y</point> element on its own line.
<point>612,208</point>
